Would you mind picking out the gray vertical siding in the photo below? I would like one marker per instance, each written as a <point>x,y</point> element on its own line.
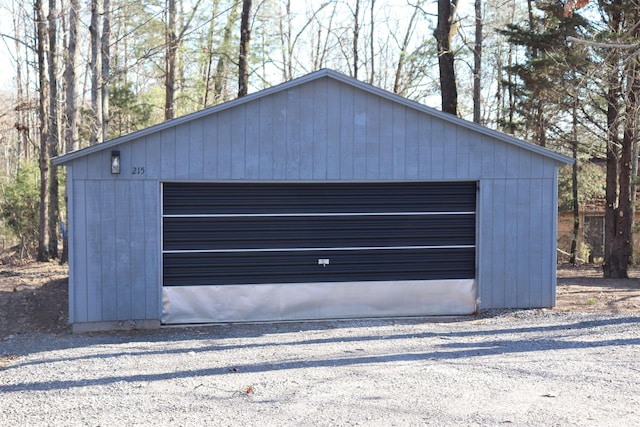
<point>517,243</point>
<point>94,258</point>
<point>320,130</point>
<point>135,249</point>
<point>153,289</point>
<point>76,244</point>
<point>114,251</point>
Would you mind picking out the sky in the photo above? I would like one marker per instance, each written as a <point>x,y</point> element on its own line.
<point>7,66</point>
<point>7,72</point>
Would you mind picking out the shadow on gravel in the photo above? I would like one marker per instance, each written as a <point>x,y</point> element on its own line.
<point>446,349</point>
<point>486,349</point>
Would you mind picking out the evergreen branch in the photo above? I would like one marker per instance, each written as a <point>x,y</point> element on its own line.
<point>605,45</point>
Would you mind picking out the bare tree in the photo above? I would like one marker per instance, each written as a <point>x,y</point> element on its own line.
<point>207,71</point>
<point>43,114</point>
<point>289,40</point>
<point>22,124</point>
<point>286,40</point>
<point>71,109</point>
<point>54,136</point>
<point>322,46</point>
<point>403,48</point>
<point>220,78</point>
<point>72,59</point>
<point>173,41</point>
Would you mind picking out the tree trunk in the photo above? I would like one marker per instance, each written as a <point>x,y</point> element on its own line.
<point>105,41</point>
<point>54,206</point>
<point>574,185</point>
<point>618,215</point>
<point>41,35</point>
<point>444,33</point>
<point>71,116</point>
<point>243,62</point>
<point>477,63</point>
<point>371,41</point>
<point>72,59</point>
<point>500,91</point>
<point>286,39</point>
<point>621,245</point>
<point>356,34</point>
<point>207,71</point>
<point>540,123</point>
<point>634,157</point>
<point>620,248</point>
<point>534,51</point>
<point>95,29</point>
<point>220,77</point>
<point>634,176</point>
<point>610,264</point>
<point>511,94</point>
<point>171,41</point>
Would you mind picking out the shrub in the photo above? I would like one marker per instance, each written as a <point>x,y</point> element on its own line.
<point>20,204</point>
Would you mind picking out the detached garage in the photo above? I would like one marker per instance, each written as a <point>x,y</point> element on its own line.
<point>320,198</point>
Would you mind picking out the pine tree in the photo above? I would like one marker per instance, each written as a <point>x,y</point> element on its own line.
<point>550,79</point>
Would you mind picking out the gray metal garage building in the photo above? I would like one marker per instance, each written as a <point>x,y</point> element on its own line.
<point>323,197</point>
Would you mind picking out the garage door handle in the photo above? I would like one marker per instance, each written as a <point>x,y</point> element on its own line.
<point>323,262</point>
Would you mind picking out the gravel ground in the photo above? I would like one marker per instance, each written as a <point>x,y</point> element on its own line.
<point>530,368</point>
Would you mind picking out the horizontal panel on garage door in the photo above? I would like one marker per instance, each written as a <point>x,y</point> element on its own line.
<point>256,232</point>
<point>235,233</point>
<point>188,269</point>
<point>264,198</point>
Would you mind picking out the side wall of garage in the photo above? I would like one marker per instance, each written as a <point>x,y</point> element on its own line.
<point>321,130</point>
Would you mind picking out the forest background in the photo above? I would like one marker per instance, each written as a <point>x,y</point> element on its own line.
<point>558,73</point>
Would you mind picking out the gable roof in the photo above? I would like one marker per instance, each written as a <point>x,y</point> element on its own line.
<point>324,73</point>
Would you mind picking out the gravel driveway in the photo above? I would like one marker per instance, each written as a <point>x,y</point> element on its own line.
<point>531,368</point>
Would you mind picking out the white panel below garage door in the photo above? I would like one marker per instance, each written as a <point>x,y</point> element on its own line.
<point>304,301</point>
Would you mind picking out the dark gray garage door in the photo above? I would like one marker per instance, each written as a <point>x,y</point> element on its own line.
<point>239,233</point>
